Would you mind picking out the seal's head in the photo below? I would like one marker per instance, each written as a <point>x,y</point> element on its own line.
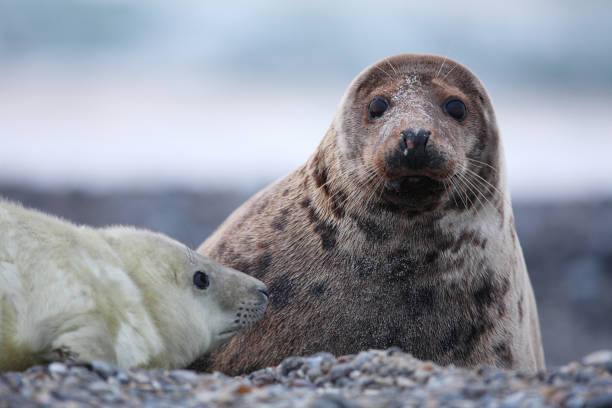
<point>231,299</point>
<point>195,303</point>
<point>418,130</point>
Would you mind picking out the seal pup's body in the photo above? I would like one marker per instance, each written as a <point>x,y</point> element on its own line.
<point>128,296</point>
<point>398,231</point>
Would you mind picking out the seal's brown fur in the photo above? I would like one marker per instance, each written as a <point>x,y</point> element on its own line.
<point>351,265</point>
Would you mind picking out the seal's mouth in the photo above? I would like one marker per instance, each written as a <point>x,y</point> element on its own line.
<point>414,191</point>
<point>414,186</point>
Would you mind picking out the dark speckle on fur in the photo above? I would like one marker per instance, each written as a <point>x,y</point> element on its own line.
<point>281,291</point>
<point>520,308</point>
<point>280,221</point>
<point>319,174</point>
<point>327,232</point>
<point>337,203</point>
<point>305,203</point>
<point>431,256</point>
<point>261,265</point>
<point>421,301</point>
<point>318,289</point>
<point>221,249</point>
<point>504,354</point>
<point>463,337</point>
<point>373,231</point>
<point>312,216</point>
<point>464,237</point>
<point>485,294</point>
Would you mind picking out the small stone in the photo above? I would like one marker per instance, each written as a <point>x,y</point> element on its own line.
<point>103,368</point>
<point>339,371</point>
<point>331,401</point>
<point>574,402</point>
<point>183,375</point>
<point>123,377</point>
<point>242,389</point>
<point>404,382</point>
<point>558,397</point>
<point>513,400</point>
<point>474,391</point>
<point>290,364</point>
<point>600,357</point>
<point>99,387</point>
<point>603,401</point>
<point>57,368</point>
<point>427,366</point>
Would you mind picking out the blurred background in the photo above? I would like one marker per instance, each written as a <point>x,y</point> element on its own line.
<point>168,115</point>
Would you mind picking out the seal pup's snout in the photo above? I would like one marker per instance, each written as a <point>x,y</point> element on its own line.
<point>412,145</point>
<point>264,291</point>
<point>253,306</point>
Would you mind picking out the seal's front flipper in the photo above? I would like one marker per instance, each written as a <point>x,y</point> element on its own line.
<point>62,354</point>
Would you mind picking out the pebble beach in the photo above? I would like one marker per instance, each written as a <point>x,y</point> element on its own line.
<point>374,378</point>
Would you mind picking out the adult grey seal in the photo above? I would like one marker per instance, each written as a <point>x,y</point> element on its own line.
<point>128,296</point>
<point>398,231</point>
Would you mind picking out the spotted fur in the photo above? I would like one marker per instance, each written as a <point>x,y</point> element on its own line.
<point>356,264</point>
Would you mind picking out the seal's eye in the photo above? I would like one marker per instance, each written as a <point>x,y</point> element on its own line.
<point>455,108</point>
<point>377,107</point>
<point>200,279</point>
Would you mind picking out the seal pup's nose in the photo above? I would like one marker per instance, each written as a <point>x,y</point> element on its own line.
<point>264,291</point>
<point>412,145</point>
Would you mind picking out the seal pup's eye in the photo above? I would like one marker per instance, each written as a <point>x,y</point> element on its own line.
<point>455,108</point>
<point>377,107</point>
<point>200,279</point>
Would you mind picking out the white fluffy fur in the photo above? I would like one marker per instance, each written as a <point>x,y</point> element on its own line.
<point>123,295</point>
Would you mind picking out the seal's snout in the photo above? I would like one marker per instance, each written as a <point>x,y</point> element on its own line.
<point>411,153</point>
<point>412,145</point>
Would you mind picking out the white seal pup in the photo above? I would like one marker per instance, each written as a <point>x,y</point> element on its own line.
<point>128,296</point>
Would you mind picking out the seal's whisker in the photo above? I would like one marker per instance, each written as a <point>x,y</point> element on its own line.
<point>482,163</point>
<point>472,172</point>
<point>441,66</point>
<point>467,190</point>
<point>451,70</point>
<point>475,190</point>
<point>391,65</point>
<point>450,190</point>
<point>457,186</point>
<point>384,72</point>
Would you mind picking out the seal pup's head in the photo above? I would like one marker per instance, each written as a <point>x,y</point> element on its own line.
<point>196,303</point>
<point>418,131</point>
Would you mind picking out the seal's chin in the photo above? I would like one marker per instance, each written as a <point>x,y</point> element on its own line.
<point>414,192</point>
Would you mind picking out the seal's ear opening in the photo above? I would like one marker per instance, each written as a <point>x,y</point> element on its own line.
<point>201,280</point>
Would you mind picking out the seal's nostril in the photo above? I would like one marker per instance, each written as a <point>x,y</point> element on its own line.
<point>264,291</point>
